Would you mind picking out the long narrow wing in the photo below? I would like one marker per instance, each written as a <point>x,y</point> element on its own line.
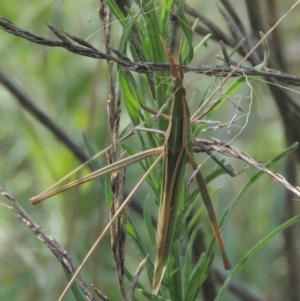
<point>174,167</point>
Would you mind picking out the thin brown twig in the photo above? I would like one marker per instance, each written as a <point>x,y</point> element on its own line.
<point>59,252</point>
<point>237,29</point>
<point>291,135</point>
<point>83,49</point>
<point>50,124</point>
<point>100,294</point>
<point>214,28</point>
<point>118,227</point>
<point>232,151</point>
<point>288,108</point>
<point>135,278</point>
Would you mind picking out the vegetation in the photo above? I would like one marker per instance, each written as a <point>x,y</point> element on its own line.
<point>59,108</point>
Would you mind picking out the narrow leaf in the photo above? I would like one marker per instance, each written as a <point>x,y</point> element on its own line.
<point>255,249</point>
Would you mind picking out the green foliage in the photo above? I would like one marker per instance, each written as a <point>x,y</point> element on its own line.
<point>75,290</point>
<point>252,251</point>
<point>31,159</point>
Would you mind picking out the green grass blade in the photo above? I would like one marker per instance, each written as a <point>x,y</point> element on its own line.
<point>117,12</point>
<point>230,90</point>
<point>250,182</point>
<point>134,234</point>
<point>95,164</point>
<point>165,12</point>
<point>129,34</point>
<point>74,288</point>
<point>149,224</point>
<point>130,96</point>
<point>202,42</point>
<point>264,63</point>
<point>238,83</point>
<point>256,248</point>
<point>193,274</point>
<point>154,297</point>
<point>187,50</point>
<point>255,177</point>
<point>237,47</point>
<point>176,288</point>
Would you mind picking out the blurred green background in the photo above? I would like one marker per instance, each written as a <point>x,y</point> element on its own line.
<point>73,91</point>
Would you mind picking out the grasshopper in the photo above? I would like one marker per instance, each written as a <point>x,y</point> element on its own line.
<point>176,152</point>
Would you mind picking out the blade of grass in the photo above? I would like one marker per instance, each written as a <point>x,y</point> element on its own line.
<point>75,290</point>
<point>125,203</point>
<point>187,50</point>
<point>254,178</point>
<point>149,224</point>
<point>248,184</point>
<point>252,251</point>
<point>194,117</point>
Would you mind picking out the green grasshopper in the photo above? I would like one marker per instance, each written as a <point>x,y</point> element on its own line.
<point>176,151</point>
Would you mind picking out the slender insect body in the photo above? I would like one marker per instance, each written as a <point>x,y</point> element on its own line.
<point>168,211</point>
<point>175,148</point>
<point>177,152</point>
